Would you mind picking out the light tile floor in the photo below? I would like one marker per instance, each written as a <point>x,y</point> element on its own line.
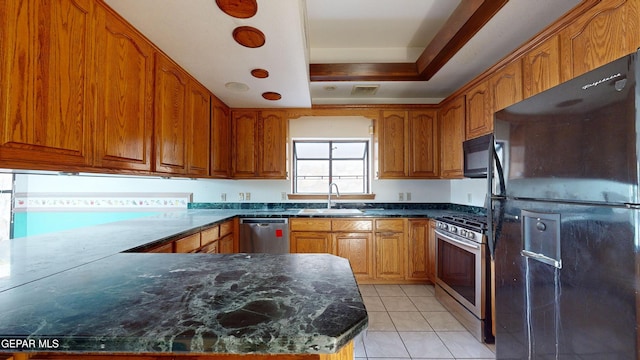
<point>408,322</point>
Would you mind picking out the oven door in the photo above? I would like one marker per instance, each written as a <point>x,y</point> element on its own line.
<point>461,271</point>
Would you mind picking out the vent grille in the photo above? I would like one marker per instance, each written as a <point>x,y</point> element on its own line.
<point>364,90</point>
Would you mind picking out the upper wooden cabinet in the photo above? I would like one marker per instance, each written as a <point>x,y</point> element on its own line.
<point>506,88</point>
<point>606,32</point>
<point>541,67</point>
<point>124,69</point>
<point>259,144</point>
<point>220,149</point>
<point>198,120</point>
<point>182,120</point>
<point>44,83</point>
<point>452,124</point>
<point>478,111</point>
<point>408,144</point>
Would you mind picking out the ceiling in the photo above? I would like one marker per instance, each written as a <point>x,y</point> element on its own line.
<point>317,51</point>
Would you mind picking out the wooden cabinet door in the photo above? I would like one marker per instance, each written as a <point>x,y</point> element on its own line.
<point>187,244</point>
<point>451,119</point>
<point>124,100</point>
<point>198,119</point>
<point>220,139</point>
<point>245,134</point>
<point>311,242</point>
<point>505,88</point>
<point>541,67</point>
<point>389,250</point>
<point>424,159</point>
<point>606,32</point>
<point>170,111</point>
<point>479,120</point>
<point>358,248</point>
<point>392,135</point>
<point>418,250</point>
<point>44,83</point>
<point>272,143</point>
<point>226,244</point>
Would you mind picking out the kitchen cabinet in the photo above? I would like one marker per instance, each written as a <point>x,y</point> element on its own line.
<point>408,144</point>
<point>182,121</point>
<point>541,67</point>
<point>310,235</point>
<point>389,249</point>
<point>209,240</point>
<point>418,250</point>
<point>221,143</point>
<point>124,67</point>
<point>452,133</point>
<point>505,88</point>
<point>353,240</point>
<point>45,88</point>
<point>198,119</point>
<point>187,244</point>
<point>602,34</point>
<point>164,248</point>
<point>228,243</point>
<point>259,144</point>
<point>478,115</point>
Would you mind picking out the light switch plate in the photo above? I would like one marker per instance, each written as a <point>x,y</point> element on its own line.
<point>240,196</point>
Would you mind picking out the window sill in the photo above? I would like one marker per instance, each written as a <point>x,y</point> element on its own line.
<point>333,196</point>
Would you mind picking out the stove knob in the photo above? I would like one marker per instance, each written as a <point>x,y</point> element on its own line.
<point>471,235</point>
<point>463,232</point>
<point>453,229</point>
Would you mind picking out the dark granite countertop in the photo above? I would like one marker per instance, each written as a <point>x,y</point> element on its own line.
<point>197,303</point>
<point>80,288</point>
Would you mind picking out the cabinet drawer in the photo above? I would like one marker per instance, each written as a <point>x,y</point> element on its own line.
<point>390,225</point>
<point>188,244</point>
<point>310,224</point>
<point>212,248</point>
<point>164,248</point>
<point>351,225</point>
<point>226,228</point>
<point>209,235</point>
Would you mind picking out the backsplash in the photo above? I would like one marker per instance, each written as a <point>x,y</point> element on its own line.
<point>317,205</point>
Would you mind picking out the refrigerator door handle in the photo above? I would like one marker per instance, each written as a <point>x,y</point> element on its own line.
<point>494,159</point>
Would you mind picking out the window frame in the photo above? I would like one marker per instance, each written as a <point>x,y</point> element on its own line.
<point>366,161</point>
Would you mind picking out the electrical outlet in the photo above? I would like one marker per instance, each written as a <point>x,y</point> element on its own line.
<point>408,196</point>
<point>223,197</point>
<point>240,196</point>
<point>247,196</point>
<point>469,197</point>
<point>283,196</point>
<point>400,196</point>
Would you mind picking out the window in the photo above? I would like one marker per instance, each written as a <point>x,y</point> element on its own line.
<point>317,163</point>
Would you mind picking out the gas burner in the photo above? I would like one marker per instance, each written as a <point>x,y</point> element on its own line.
<point>469,221</point>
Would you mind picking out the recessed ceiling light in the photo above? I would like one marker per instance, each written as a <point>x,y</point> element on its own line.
<point>237,86</point>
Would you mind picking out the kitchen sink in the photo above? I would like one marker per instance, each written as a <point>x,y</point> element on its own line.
<point>329,211</point>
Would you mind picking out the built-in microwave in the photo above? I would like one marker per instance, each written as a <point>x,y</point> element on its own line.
<point>476,156</point>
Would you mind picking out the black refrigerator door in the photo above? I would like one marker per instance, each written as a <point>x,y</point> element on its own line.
<point>577,141</point>
<point>574,299</point>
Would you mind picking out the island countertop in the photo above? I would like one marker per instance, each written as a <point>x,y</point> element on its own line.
<point>193,303</point>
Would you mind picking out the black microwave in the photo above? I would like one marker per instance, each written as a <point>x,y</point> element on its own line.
<point>476,156</point>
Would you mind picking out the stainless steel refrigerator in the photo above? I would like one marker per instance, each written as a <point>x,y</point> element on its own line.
<point>564,217</point>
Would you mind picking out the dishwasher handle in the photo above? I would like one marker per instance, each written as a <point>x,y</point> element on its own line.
<point>265,221</point>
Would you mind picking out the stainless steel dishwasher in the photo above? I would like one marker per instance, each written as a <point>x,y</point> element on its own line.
<point>264,235</point>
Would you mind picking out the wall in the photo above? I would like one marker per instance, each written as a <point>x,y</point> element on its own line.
<point>206,190</point>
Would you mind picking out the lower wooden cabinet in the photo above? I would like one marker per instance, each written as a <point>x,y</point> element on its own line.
<point>187,244</point>
<point>383,250</point>
<point>216,239</point>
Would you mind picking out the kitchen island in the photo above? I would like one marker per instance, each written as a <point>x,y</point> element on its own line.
<point>189,304</point>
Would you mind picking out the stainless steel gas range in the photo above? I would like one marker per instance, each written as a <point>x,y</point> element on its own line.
<point>463,272</point>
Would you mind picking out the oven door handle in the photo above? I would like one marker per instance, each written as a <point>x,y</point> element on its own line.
<point>459,242</point>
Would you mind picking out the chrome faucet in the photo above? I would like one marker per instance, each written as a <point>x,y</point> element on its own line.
<point>331,185</point>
